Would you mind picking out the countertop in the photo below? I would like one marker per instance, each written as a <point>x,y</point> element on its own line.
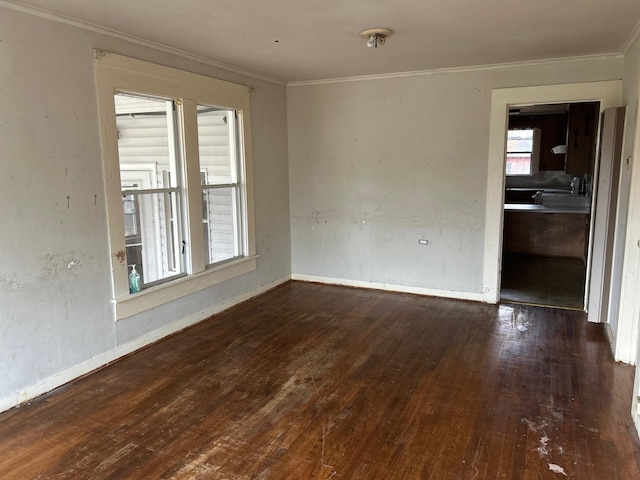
<point>527,207</point>
<point>539,189</point>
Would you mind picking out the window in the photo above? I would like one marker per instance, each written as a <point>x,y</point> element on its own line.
<point>176,157</point>
<point>150,190</point>
<point>523,153</point>
<point>220,174</point>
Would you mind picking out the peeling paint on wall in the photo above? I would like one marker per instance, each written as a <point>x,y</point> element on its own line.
<point>9,284</point>
<point>54,265</point>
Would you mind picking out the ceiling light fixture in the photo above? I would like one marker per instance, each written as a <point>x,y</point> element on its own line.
<point>375,36</point>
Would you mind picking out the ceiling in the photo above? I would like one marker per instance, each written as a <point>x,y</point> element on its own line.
<point>301,40</point>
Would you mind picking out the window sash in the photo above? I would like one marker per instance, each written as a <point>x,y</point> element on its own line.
<point>236,225</point>
<point>522,152</point>
<point>116,73</point>
<point>134,191</point>
<point>220,160</point>
<point>510,164</point>
<point>159,236</point>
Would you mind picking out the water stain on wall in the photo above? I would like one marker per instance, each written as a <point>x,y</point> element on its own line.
<point>120,256</point>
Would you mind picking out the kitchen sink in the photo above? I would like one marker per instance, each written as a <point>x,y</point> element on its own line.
<point>564,200</point>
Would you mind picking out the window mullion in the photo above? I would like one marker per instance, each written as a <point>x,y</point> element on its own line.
<point>112,185</point>
<point>236,155</point>
<point>246,180</point>
<point>140,191</point>
<point>195,260</point>
<point>219,186</point>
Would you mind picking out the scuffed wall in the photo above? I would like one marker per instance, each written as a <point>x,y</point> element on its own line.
<point>55,283</point>
<point>377,165</point>
<point>620,306</point>
<point>628,316</point>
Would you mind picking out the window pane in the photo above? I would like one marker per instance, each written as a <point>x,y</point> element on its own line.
<point>217,145</point>
<point>520,141</point>
<point>145,137</point>
<point>219,161</point>
<point>147,158</point>
<point>152,235</point>
<point>220,221</point>
<point>518,164</point>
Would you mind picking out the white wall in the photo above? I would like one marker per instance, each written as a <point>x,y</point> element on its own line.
<point>56,316</point>
<point>624,306</point>
<point>629,308</point>
<point>374,166</point>
<point>377,164</point>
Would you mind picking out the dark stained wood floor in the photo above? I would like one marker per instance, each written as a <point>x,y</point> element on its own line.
<point>547,281</point>
<point>321,382</point>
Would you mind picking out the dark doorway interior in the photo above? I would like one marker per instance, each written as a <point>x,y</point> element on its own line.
<point>547,281</point>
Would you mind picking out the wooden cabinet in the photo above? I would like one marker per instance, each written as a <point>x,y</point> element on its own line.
<point>546,234</point>
<point>581,137</point>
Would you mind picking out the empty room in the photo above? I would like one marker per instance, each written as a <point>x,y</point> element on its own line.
<point>319,240</point>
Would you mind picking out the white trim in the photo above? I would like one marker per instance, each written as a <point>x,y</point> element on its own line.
<point>116,72</point>
<point>611,339</point>
<point>126,73</point>
<point>247,180</point>
<point>54,381</point>
<point>473,68</point>
<point>195,261</point>
<point>75,22</point>
<point>633,36</point>
<point>92,27</point>
<point>390,287</point>
<point>600,297</point>
<point>608,93</point>
<point>133,304</point>
<point>627,340</point>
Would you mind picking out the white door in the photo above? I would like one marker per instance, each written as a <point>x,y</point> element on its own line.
<point>605,205</point>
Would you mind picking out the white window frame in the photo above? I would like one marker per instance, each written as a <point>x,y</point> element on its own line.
<point>235,183</point>
<point>114,73</point>
<point>534,153</point>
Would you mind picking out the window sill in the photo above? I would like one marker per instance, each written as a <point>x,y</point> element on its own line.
<point>160,294</point>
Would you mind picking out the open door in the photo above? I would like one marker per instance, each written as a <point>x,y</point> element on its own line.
<point>604,213</point>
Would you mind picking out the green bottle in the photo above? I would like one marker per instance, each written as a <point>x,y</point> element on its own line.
<point>134,280</point>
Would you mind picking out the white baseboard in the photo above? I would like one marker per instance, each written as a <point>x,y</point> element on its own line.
<point>611,339</point>
<point>473,296</point>
<point>54,381</point>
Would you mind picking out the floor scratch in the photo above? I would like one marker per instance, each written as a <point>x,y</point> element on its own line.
<point>473,465</point>
<point>323,440</point>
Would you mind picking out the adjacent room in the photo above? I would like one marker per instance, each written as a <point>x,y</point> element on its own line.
<point>319,240</point>
<point>551,152</point>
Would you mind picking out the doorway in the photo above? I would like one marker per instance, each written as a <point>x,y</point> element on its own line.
<point>550,164</point>
<point>607,93</point>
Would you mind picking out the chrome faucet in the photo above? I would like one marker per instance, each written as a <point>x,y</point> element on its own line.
<point>575,186</point>
<point>537,198</point>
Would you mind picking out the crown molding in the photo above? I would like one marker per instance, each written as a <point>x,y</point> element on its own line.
<point>474,68</point>
<point>49,15</point>
<point>74,22</point>
<point>635,34</point>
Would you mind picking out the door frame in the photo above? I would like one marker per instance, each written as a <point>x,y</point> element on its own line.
<point>627,347</point>
<point>608,93</point>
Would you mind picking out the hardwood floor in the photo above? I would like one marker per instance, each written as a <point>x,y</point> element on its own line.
<point>321,382</point>
<point>547,281</point>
